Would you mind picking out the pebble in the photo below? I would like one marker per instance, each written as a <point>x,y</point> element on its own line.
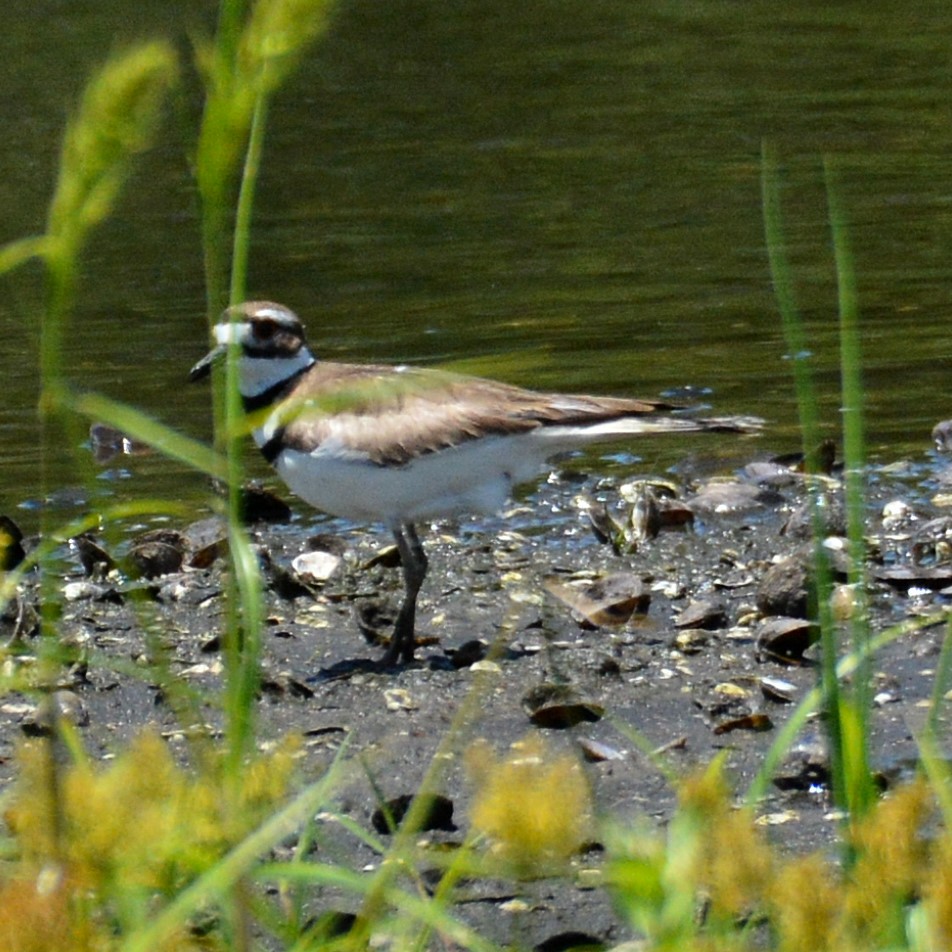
<point>316,567</point>
<point>786,588</point>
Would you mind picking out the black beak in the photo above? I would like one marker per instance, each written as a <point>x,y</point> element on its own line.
<point>204,367</point>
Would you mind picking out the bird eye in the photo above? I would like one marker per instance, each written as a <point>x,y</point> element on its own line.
<point>265,330</point>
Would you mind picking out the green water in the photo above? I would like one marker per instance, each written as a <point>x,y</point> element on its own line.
<point>564,195</point>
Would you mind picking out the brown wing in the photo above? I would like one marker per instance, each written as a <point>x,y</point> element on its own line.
<point>392,415</point>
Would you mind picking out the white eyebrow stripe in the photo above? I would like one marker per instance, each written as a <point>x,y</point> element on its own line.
<point>227,333</point>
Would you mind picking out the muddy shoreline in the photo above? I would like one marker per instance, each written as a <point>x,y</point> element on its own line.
<point>691,669</point>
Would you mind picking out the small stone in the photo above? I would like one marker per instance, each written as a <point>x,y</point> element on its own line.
<point>896,512</point>
<point>729,689</point>
<point>778,818</point>
<point>315,568</point>
<point>515,905</point>
<point>843,602</point>
<point>489,667</point>
<point>786,589</point>
<point>830,513</point>
<point>692,640</point>
<point>157,553</point>
<point>77,591</point>
<point>399,699</point>
<point>942,436</point>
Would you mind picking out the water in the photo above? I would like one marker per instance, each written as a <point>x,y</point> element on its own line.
<point>561,195</point>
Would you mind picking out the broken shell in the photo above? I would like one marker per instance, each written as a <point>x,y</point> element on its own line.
<point>769,473</point>
<point>747,722</point>
<point>95,560</point>
<point>708,613</point>
<point>603,525</point>
<point>905,577</point>
<point>633,490</point>
<point>399,699</point>
<point>281,579</point>
<point>437,814</point>
<point>595,752</point>
<point>558,706</point>
<point>207,555</point>
<point>776,689</point>
<point>77,591</point>
<point>645,519</point>
<point>485,666</point>
<point>561,716</point>
<point>675,514</point>
<point>730,689</point>
<point>785,639</point>
<point>387,557</point>
<point>207,540</point>
<point>608,601</point>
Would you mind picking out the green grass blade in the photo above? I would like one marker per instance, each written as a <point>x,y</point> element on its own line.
<point>860,792</point>
<point>796,341</point>
<point>18,252</point>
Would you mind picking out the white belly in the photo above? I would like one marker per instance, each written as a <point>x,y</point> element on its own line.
<point>475,477</point>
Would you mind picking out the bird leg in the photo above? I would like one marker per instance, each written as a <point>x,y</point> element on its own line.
<point>414,562</point>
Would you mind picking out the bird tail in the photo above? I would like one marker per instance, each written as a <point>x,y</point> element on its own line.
<point>634,425</point>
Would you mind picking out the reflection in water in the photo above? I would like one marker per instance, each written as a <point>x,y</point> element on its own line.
<point>564,196</point>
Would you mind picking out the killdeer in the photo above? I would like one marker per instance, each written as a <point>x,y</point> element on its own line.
<point>397,444</point>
